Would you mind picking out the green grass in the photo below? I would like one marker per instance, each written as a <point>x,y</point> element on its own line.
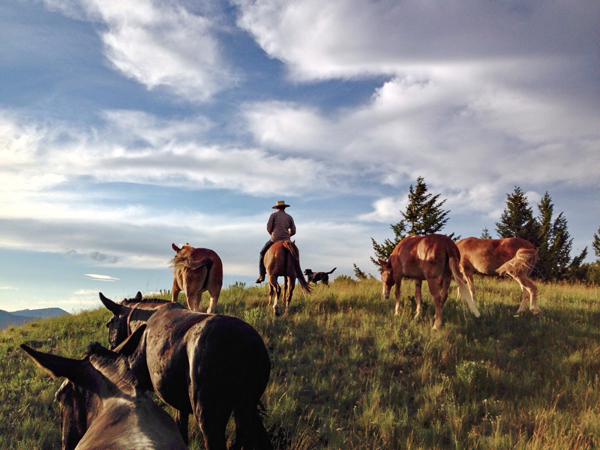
<point>348,374</point>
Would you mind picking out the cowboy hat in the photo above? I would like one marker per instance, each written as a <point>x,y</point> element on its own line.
<point>280,204</point>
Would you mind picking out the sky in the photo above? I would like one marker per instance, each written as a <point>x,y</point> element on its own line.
<point>128,126</point>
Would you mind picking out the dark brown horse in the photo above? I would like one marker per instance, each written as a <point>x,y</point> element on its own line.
<point>283,260</point>
<point>434,258</point>
<point>196,270</point>
<point>513,256</point>
<point>202,364</point>
<point>102,406</point>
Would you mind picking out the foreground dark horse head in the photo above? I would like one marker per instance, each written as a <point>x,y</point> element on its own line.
<point>283,260</point>
<point>101,406</point>
<point>202,364</point>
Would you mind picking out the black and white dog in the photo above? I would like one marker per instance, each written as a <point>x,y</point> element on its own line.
<point>314,277</point>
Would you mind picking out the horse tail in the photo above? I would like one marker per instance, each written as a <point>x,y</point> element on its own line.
<point>523,262</point>
<point>250,428</point>
<point>453,262</point>
<point>197,265</point>
<point>291,247</point>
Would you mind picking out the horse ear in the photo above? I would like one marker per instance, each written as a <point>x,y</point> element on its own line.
<point>130,345</point>
<point>177,249</point>
<point>113,307</point>
<point>384,264</point>
<point>79,371</point>
<point>138,296</point>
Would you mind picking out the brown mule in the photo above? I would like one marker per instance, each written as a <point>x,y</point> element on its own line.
<point>196,270</point>
<point>101,405</point>
<point>434,258</point>
<point>208,365</point>
<point>283,260</point>
<point>513,256</point>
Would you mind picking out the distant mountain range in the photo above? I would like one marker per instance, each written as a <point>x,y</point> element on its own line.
<point>28,315</point>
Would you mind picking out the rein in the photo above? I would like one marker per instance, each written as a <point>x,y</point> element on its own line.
<point>128,322</point>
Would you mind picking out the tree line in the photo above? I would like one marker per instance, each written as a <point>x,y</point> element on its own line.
<point>424,214</point>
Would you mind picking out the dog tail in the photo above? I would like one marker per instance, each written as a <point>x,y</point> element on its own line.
<point>331,270</point>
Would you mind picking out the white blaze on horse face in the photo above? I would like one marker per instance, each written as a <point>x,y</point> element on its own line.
<point>386,277</point>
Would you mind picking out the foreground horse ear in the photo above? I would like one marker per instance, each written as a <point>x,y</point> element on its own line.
<point>113,307</point>
<point>79,371</point>
<point>138,296</point>
<point>130,345</point>
<point>177,249</point>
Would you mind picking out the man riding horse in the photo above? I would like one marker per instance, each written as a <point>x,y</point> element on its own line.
<point>281,227</point>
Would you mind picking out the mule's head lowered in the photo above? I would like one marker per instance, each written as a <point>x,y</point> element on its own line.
<point>128,316</point>
<point>117,325</point>
<point>100,375</point>
<point>387,276</point>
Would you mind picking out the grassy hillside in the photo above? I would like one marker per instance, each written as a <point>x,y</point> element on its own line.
<point>347,374</point>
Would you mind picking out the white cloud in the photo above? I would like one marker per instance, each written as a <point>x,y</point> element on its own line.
<point>86,292</point>
<point>158,44</point>
<point>386,210</point>
<point>348,38</point>
<point>101,277</point>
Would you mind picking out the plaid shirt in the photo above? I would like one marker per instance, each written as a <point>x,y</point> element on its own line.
<point>281,226</point>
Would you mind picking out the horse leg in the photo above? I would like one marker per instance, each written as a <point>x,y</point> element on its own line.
<point>214,298</point>
<point>284,294</point>
<point>288,300</point>
<point>528,289</point>
<point>175,290</point>
<point>445,287</point>
<point>397,296</point>
<point>213,418</point>
<point>418,285</point>
<point>181,419</point>
<point>274,291</point>
<point>437,301</point>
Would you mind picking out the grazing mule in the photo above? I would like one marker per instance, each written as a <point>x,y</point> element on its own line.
<point>434,258</point>
<point>202,364</point>
<point>283,260</point>
<point>513,256</point>
<point>101,405</point>
<point>196,270</point>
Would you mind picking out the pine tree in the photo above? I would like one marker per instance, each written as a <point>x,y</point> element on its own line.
<point>517,219</point>
<point>596,244</point>
<point>424,215</point>
<point>485,234</point>
<point>359,273</point>
<point>555,244</point>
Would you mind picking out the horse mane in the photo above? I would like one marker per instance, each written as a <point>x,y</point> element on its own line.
<point>129,301</point>
<point>177,261</point>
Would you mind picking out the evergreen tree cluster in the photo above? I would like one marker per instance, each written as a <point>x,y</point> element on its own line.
<point>550,234</point>
<point>424,215</point>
